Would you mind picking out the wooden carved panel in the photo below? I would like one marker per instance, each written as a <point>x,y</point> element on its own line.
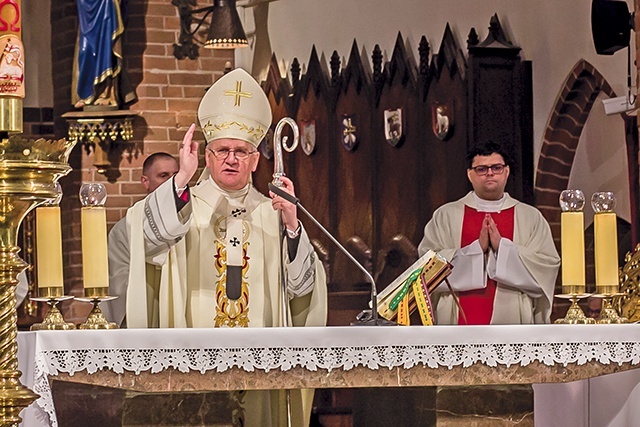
<point>313,157</point>
<point>352,189</point>
<point>398,170</point>
<point>376,195</point>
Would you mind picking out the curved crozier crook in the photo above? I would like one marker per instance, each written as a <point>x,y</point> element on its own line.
<point>279,143</point>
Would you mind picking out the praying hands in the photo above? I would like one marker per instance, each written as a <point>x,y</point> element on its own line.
<point>489,235</point>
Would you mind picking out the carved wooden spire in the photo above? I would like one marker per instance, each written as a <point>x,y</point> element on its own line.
<point>376,57</point>
<point>449,56</point>
<point>496,41</point>
<point>355,72</point>
<point>295,72</point>
<point>496,34</point>
<point>335,68</point>
<point>424,50</point>
<point>472,39</point>
<point>401,65</point>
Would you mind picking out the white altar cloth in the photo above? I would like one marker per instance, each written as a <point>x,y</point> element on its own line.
<point>45,353</point>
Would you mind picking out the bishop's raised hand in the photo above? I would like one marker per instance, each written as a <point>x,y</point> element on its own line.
<point>188,158</point>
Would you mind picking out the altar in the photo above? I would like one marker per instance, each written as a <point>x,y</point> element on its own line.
<point>175,360</point>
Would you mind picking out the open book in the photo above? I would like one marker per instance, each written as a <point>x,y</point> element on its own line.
<point>410,290</point>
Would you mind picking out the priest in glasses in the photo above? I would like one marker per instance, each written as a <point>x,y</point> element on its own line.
<point>505,261</point>
<point>209,255</point>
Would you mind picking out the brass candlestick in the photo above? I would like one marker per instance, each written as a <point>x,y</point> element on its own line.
<point>53,320</point>
<point>608,314</point>
<point>28,172</point>
<point>575,315</point>
<point>96,319</point>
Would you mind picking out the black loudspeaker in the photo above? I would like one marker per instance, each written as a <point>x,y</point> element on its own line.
<point>611,25</point>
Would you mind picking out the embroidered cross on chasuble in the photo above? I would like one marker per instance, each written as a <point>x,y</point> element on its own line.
<point>232,265</point>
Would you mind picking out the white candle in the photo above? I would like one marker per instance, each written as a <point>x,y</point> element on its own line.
<point>49,252</point>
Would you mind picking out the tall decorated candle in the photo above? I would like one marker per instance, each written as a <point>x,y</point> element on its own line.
<point>95,260</point>
<point>572,242</point>
<point>49,248</point>
<point>605,242</point>
<point>12,81</point>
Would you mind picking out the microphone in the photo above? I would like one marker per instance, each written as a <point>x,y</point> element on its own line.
<point>366,317</point>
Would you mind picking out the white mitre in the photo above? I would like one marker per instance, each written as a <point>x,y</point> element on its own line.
<point>235,107</point>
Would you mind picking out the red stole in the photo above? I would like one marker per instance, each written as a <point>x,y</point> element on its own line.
<point>478,304</point>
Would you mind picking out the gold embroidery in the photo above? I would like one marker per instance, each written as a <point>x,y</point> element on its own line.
<point>231,313</point>
<point>237,93</point>
<point>210,128</point>
<point>220,229</point>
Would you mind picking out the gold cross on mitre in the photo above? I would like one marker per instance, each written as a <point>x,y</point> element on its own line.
<point>237,93</point>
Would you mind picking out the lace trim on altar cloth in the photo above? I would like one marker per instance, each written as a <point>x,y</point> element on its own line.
<point>344,358</point>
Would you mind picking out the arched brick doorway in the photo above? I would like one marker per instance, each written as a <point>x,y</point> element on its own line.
<point>560,142</point>
<point>561,137</point>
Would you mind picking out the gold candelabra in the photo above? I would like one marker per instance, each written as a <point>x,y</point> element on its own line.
<point>629,297</point>
<point>96,319</point>
<point>29,170</point>
<point>53,320</point>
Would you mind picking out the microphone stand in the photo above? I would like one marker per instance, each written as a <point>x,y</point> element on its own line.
<point>364,318</point>
<point>278,144</point>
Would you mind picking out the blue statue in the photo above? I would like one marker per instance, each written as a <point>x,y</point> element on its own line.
<point>99,77</point>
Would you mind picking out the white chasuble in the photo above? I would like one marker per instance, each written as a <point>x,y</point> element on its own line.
<point>189,251</point>
<point>191,284</point>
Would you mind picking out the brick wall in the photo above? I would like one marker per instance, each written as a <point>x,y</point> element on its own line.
<point>169,92</point>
